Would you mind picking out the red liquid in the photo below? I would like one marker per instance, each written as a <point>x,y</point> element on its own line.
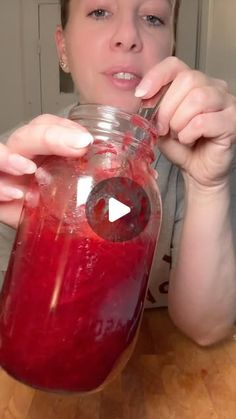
<point>70,305</point>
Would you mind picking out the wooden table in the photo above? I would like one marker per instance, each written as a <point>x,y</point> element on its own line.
<point>168,377</point>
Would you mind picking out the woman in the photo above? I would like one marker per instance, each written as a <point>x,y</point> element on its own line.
<point>117,53</point>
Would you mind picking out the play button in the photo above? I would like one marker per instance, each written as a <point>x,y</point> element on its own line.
<point>118,209</point>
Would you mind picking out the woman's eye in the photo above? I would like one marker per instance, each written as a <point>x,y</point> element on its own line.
<point>153,20</point>
<point>99,13</point>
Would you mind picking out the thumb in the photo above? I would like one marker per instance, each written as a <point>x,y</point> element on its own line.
<point>173,150</point>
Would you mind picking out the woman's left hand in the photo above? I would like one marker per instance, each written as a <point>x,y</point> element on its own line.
<point>196,120</point>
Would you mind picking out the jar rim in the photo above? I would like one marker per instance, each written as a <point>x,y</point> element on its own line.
<point>109,111</point>
<point>108,118</point>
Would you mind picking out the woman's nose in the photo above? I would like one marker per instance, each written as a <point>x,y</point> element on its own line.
<point>126,36</point>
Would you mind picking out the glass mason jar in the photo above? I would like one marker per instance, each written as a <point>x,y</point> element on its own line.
<point>72,299</point>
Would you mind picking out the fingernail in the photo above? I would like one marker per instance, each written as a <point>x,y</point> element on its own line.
<point>155,175</point>
<point>160,128</point>
<point>11,192</point>
<point>78,141</point>
<point>143,88</point>
<point>21,164</point>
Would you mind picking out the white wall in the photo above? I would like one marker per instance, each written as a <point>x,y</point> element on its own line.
<point>21,76</point>
<point>20,89</point>
<point>11,73</point>
<point>187,31</point>
<point>218,47</point>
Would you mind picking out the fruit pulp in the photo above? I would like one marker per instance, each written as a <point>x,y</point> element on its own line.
<point>71,304</point>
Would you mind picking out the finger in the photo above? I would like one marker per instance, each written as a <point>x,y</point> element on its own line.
<point>199,100</point>
<point>43,139</point>
<point>47,119</point>
<point>10,212</point>
<point>9,192</point>
<point>183,84</point>
<point>221,84</point>
<point>15,164</point>
<point>176,152</point>
<point>160,75</point>
<point>219,126</point>
<point>154,173</point>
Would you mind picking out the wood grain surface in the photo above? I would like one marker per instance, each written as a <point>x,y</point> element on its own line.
<point>167,377</point>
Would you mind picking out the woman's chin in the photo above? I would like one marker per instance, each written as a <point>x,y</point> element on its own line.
<point>129,104</point>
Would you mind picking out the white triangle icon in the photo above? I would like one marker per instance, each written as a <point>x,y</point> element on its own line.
<point>116,210</point>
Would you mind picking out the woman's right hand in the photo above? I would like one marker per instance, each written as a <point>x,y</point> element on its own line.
<point>44,135</point>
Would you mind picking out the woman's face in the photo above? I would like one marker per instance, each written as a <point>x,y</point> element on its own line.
<point>109,45</point>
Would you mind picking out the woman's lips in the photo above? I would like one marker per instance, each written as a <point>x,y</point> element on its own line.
<point>123,80</point>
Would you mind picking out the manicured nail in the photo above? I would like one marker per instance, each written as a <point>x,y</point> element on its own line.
<point>143,88</point>
<point>11,192</point>
<point>21,164</point>
<point>78,141</point>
